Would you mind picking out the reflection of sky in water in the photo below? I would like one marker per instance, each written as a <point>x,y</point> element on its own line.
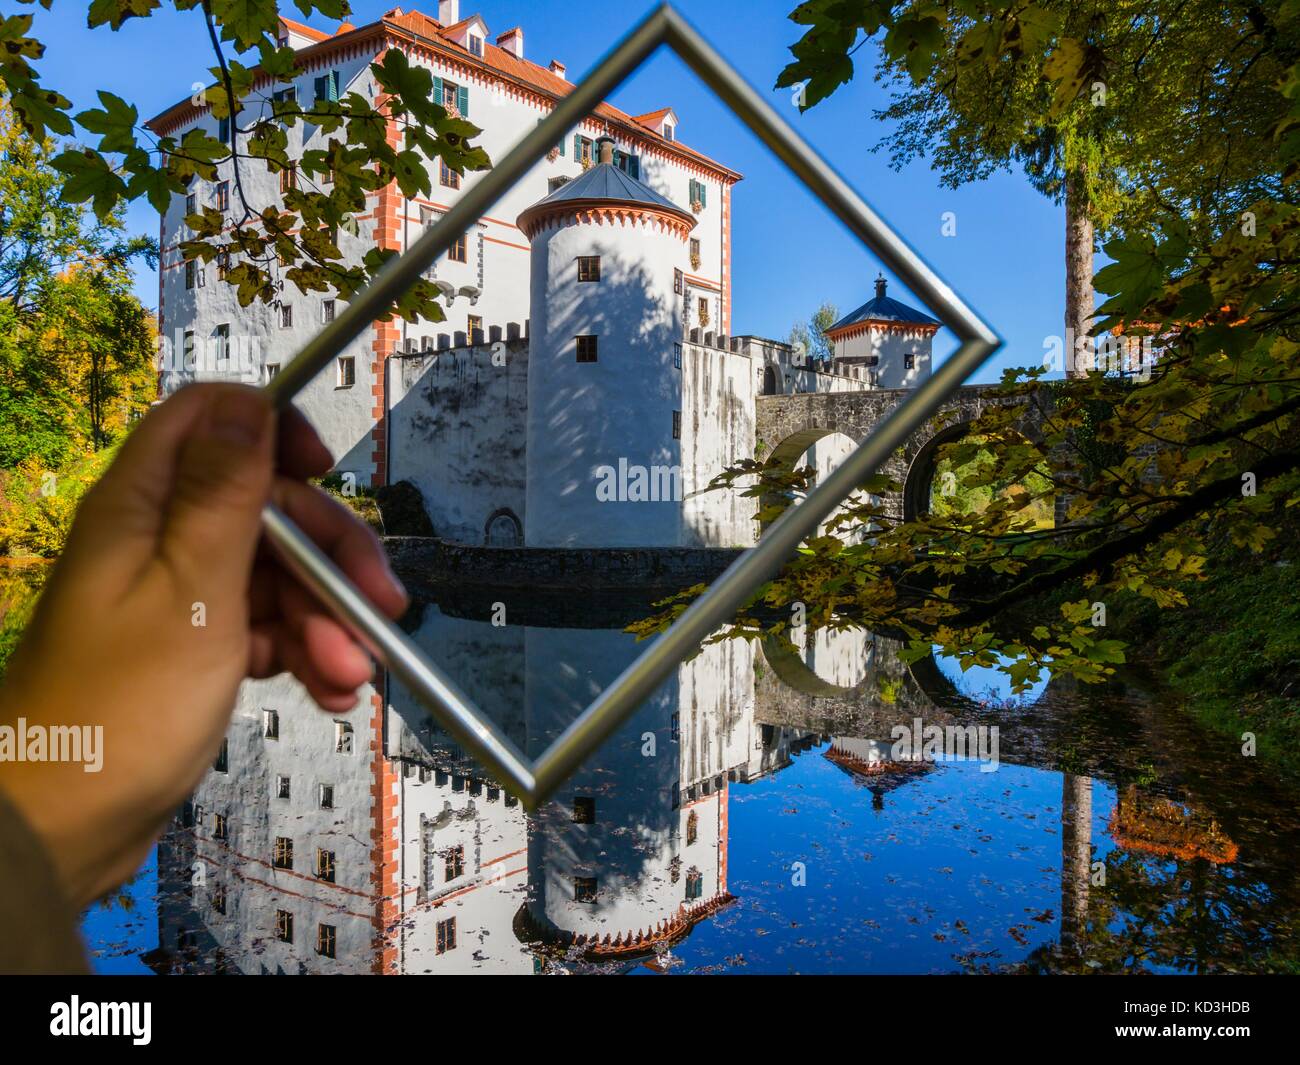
<point>944,870</point>
<point>988,683</point>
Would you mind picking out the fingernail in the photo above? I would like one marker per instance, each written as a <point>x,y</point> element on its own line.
<point>240,417</point>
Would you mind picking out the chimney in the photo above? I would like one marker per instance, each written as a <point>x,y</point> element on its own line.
<point>512,41</point>
<point>880,287</point>
<point>557,68</point>
<point>605,149</point>
<point>448,12</point>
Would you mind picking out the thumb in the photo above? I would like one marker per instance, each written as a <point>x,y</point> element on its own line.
<point>222,479</point>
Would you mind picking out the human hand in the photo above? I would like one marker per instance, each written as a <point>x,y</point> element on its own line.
<point>171,537</point>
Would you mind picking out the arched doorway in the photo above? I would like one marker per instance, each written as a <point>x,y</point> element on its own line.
<point>769,381</point>
<point>503,529</point>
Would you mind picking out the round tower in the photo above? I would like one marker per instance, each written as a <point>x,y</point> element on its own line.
<point>604,392</point>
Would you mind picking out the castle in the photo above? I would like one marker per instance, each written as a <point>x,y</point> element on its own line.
<point>586,385</point>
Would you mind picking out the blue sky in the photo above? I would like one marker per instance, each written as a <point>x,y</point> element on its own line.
<point>1006,259</point>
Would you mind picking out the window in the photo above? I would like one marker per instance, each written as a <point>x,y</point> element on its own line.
<point>628,163</point>
<point>198,814</point>
<point>702,310</point>
<point>284,926</point>
<point>271,718</point>
<point>455,98</point>
<point>694,884</point>
<point>283,857</point>
<point>583,147</point>
<point>342,737</point>
<point>669,132</point>
<point>223,130</point>
<point>454,862</point>
<point>459,250</point>
<point>284,100</point>
<point>586,348</point>
<point>326,940</point>
<point>223,264</point>
<point>187,941</point>
<point>190,269</point>
<point>222,764</point>
<point>191,204</point>
<point>475,45</point>
<point>223,196</point>
<point>289,177</point>
<point>695,253</point>
<point>692,827</point>
<point>286,316</point>
<point>447,176</point>
<point>584,889</point>
<point>272,370</point>
<point>220,827</point>
<point>327,310</point>
<point>677,425</point>
<point>219,898</point>
<point>282,787</point>
<point>445,936</point>
<point>677,354</point>
<point>222,335</point>
<point>909,361</point>
<point>675,870</point>
<point>325,796</point>
<point>503,529</point>
<point>584,810</point>
<point>675,727</point>
<point>678,283</point>
<point>699,194</point>
<point>187,814</point>
<point>474,327</point>
<point>588,267</point>
<point>347,377</point>
<point>327,87</point>
<point>325,866</point>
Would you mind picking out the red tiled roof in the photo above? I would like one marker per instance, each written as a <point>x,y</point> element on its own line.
<point>652,119</point>
<point>303,30</point>
<point>495,60</point>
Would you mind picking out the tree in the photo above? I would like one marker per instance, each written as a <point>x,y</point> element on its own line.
<point>1133,112</point>
<point>1197,451</point>
<point>810,337</point>
<point>76,347</point>
<point>129,162</point>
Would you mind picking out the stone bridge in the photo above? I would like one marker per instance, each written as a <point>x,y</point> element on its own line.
<point>788,425</point>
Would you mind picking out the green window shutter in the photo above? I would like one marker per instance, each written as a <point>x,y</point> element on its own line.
<point>333,86</point>
<point>577,146</point>
<point>561,145</point>
<point>634,166</point>
<point>437,90</point>
<point>462,101</point>
<point>704,194</point>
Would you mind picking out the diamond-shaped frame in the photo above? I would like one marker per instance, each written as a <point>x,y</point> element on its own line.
<point>533,781</point>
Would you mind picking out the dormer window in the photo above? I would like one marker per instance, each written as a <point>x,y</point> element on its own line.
<point>669,131</point>
<point>476,45</point>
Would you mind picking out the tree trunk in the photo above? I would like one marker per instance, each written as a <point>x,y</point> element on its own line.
<point>1076,858</point>
<point>1079,293</point>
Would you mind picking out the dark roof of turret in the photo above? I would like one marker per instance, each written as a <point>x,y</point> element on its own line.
<point>884,309</point>
<point>605,181</point>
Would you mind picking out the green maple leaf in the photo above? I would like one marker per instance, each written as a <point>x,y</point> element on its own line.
<point>115,123</point>
<point>90,178</point>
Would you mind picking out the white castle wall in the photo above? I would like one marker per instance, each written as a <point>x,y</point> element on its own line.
<point>457,429</point>
<point>891,346</point>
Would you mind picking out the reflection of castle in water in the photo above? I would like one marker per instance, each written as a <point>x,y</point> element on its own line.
<point>369,843</point>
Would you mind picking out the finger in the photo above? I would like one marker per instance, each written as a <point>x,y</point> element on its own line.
<point>222,481</point>
<point>299,450</point>
<point>331,650</point>
<point>121,516</point>
<point>293,657</point>
<point>345,538</point>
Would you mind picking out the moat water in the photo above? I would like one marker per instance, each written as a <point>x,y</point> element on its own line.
<point>756,816</point>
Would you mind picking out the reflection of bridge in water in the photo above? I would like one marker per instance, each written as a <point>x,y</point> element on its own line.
<point>371,843</point>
